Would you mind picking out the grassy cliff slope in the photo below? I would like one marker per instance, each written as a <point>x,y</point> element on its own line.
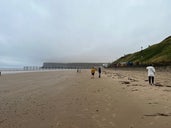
<point>159,54</point>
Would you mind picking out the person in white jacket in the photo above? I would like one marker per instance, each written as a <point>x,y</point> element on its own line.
<point>151,74</point>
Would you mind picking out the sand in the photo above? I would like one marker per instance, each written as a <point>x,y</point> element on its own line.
<point>67,99</point>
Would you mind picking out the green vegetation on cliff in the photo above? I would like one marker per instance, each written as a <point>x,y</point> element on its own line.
<point>159,54</point>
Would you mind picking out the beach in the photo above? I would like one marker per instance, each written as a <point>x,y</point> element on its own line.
<point>67,99</point>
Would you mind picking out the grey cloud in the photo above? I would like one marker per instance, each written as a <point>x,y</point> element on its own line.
<point>35,31</point>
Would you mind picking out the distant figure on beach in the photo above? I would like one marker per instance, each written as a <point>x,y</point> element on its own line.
<point>151,74</point>
<point>93,70</point>
<point>78,70</point>
<point>99,70</point>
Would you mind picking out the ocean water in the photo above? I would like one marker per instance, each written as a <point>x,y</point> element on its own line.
<point>15,71</point>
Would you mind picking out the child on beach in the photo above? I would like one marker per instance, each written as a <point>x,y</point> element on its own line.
<point>93,70</point>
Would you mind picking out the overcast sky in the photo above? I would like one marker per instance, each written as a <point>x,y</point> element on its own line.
<point>37,31</point>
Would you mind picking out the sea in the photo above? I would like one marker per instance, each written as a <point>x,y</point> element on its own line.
<point>20,70</point>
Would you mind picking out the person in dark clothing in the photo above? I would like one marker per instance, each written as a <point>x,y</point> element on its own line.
<point>99,70</point>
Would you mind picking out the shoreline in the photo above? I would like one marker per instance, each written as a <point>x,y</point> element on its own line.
<point>30,71</point>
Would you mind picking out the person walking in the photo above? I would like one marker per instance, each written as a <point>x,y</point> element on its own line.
<point>99,70</point>
<point>151,74</point>
<point>93,70</point>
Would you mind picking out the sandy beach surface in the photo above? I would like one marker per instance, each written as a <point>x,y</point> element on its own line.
<point>67,99</point>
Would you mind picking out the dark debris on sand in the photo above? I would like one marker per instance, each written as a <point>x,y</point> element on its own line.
<point>159,114</point>
<point>125,82</point>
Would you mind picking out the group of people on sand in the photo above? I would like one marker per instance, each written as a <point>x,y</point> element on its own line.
<point>93,71</point>
<point>150,68</point>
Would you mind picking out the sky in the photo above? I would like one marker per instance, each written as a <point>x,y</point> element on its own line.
<point>37,31</point>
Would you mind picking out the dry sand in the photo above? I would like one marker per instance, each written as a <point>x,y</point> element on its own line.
<point>67,99</point>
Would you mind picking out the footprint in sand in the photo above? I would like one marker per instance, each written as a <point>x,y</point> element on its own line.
<point>58,124</point>
<point>109,104</point>
<point>95,116</point>
<point>86,109</point>
<point>107,109</point>
<point>151,123</point>
<point>114,115</point>
<point>112,124</point>
<point>103,119</point>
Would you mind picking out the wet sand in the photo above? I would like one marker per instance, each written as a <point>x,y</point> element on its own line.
<point>67,99</point>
